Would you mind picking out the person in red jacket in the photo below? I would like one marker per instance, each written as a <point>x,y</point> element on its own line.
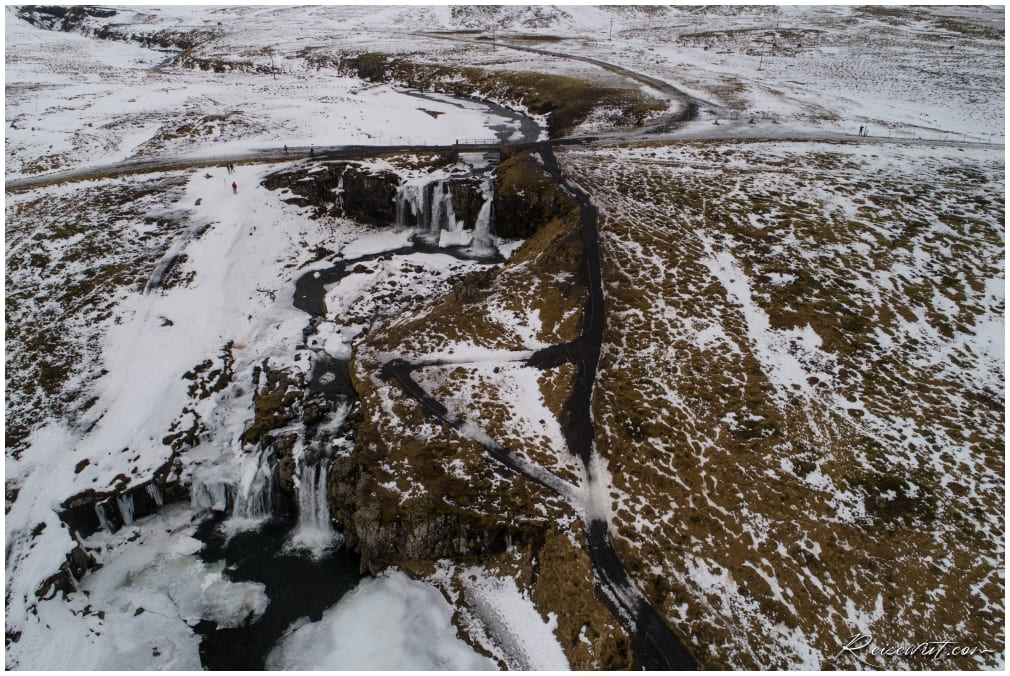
<point>234,187</point>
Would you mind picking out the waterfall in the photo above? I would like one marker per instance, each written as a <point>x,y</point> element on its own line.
<point>482,244</point>
<point>155,492</point>
<point>404,202</point>
<point>125,503</point>
<point>413,205</point>
<point>315,532</point>
<point>254,499</point>
<point>103,518</point>
<point>428,207</point>
<point>313,510</point>
<point>443,216</point>
<point>213,493</point>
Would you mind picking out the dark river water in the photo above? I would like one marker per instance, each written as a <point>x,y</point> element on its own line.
<point>297,585</point>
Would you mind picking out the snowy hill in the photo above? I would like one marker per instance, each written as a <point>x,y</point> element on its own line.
<point>708,315</point>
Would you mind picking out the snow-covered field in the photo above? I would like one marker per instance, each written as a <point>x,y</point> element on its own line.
<point>845,300</point>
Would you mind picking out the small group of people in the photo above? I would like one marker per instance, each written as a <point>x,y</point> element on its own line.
<point>863,130</point>
<point>230,167</point>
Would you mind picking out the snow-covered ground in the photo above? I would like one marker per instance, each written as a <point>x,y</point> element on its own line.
<point>74,101</point>
<point>207,276</point>
<point>389,623</point>
<point>140,309</point>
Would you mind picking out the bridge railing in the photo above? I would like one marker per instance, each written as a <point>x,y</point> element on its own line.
<point>478,142</point>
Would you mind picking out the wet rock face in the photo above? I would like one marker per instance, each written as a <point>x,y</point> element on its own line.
<point>467,200</point>
<point>369,198</point>
<point>80,512</point>
<point>384,532</point>
<point>340,189</point>
<point>526,198</point>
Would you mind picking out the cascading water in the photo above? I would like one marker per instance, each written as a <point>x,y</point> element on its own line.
<point>213,493</point>
<point>428,207</point>
<point>254,499</point>
<point>315,531</point>
<point>482,243</point>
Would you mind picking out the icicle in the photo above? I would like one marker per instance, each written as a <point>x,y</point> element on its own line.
<point>435,224</point>
<point>155,492</point>
<point>402,205</point>
<point>125,503</point>
<point>443,217</point>
<point>449,221</point>
<point>426,204</point>
<point>103,517</point>
<point>213,494</point>
<point>255,494</point>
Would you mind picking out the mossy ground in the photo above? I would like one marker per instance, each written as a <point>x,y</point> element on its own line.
<point>796,397</point>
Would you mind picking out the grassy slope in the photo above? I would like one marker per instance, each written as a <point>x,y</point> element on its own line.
<point>773,512</point>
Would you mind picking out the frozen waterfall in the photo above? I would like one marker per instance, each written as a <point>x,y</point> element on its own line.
<point>254,499</point>
<point>315,532</point>
<point>428,207</point>
<point>482,243</point>
<point>125,503</point>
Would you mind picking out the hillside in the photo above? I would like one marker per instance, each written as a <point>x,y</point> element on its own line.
<point>473,337</point>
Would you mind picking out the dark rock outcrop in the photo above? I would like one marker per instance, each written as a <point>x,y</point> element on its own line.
<point>77,563</point>
<point>369,197</point>
<point>526,198</point>
<point>385,533</point>
<point>60,17</point>
<point>340,189</point>
<point>467,200</point>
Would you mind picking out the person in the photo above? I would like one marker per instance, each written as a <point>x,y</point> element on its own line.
<point>234,187</point>
<point>285,148</point>
<point>860,130</point>
<point>312,151</point>
<point>562,175</point>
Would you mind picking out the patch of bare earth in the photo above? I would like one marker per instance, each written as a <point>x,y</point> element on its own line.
<point>800,395</point>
